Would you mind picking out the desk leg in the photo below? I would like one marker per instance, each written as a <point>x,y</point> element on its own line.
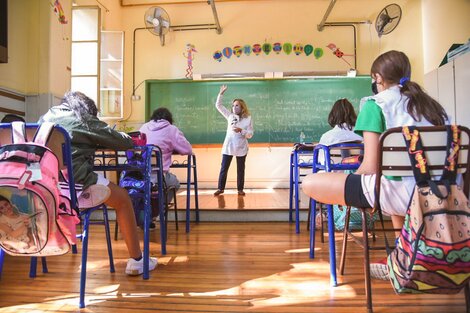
<point>196,198</point>
<point>291,185</point>
<point>313,206</point>
<point>188,196</point>
<point>331,237</point>
<point>296,191</point>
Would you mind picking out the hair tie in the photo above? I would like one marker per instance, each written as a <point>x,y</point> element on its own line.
<point>403,80</point>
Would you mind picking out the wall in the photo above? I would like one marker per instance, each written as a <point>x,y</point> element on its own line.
<point>444,23</point>
<point>39,54</point>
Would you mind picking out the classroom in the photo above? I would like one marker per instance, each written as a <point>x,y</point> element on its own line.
<point>290,60</point>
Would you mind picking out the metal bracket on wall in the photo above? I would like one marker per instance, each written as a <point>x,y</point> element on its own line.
<point>324,24</point>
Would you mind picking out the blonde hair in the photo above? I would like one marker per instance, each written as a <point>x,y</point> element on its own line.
<point>245,112</point>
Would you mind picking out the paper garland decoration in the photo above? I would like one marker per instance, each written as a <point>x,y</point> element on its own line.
<point>227,52</point>
<point>267,48</point>
<point>298,49</point>
<point>277,47</point>
<point>256,48</point>
<point>318,53</point>
<point>247,49</point>
<point>237,51</point>
<point>308,49</point>
<point>287,47</point>
<point>217,56</point>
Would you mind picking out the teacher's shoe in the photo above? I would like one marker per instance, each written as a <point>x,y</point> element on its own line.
<point>379,270</point>
<point>218,192</point>
<point>135,267</point>
<point>241,193</point>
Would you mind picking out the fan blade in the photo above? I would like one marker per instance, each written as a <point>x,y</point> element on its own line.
<point>158,30</point>
<point>149,20</point>
<point>157,12</point>
<point>165,23</point>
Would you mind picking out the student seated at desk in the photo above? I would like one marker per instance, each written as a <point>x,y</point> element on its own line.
<point>78,115</point>
<point>400,102</point>
<point>342,118</point>
<point>161,132</point>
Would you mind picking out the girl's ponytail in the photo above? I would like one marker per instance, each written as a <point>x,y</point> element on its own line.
<point>421,104</point>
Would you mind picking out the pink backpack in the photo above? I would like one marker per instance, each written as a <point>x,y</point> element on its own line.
<point>35,220</point>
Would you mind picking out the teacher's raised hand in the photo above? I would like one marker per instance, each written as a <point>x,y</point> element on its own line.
<point>223,88</point>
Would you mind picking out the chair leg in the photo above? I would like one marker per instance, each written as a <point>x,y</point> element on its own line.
<point>467,297</point>
<point>108,238</point>
<point>309,213</point>
<point>44,265</point>
<point>345,240</point>
<point>32,266</point>
<point>84,237</point>
<point>176,208</point>
<point>116,230</point>
<point>2,258</point>
<point>366,261</point>
<point>312,229</point>
<point>322,229</point>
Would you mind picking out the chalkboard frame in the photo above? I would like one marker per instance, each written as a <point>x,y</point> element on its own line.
<point>209,127</point>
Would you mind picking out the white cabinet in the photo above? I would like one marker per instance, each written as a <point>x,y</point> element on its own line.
<point>111,64</point>
<point>462,89</point>
<point>453,92</point>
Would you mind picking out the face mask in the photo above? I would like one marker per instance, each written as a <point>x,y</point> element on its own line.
<point>236,110</point>
<point>374,87</point>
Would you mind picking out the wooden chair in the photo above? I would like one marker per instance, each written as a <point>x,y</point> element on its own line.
<point>60,144</point>
<point>394,161</point>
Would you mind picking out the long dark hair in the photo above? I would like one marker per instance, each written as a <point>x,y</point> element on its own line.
<point>80,104</point>
<point>394,67</point>
<point>162,114</point>
<point>342,113</point>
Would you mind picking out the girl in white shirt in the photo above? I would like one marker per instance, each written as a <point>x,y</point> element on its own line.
<point>239,130</point>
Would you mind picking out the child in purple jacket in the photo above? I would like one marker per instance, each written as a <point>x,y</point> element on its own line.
<point>160,131</point>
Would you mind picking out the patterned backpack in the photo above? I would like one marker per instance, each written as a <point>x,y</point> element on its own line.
<point>34,219</point>
<point>433,250</point>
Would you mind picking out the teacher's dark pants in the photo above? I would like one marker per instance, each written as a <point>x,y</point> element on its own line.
<point>226,160</point>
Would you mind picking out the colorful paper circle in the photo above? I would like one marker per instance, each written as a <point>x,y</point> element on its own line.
<point>247,49</point>
<point>267,48</point>
<point>227,52</point>
<point>237,51</point>
<point>217,56</point>
<point>287,47</point>
<point>308,49</point>
<point>277,47</point>
<point>257,48</point>
<point>318,53</point>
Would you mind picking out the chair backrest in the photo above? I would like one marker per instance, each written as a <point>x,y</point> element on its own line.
<point>334,154</point>
<point>393,156</point>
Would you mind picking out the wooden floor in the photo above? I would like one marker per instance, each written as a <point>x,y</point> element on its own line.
<point>218,267</point>
<point>255,199</point>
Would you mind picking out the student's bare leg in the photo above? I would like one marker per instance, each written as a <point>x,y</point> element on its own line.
<point>325,187</point>
<point>397,222</point>
<point>122,203</point>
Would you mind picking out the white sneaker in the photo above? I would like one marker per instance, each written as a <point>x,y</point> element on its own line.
<point>93,196</point>
<point>135,268</point>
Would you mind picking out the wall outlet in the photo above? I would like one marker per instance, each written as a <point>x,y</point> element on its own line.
<point>135,97</point>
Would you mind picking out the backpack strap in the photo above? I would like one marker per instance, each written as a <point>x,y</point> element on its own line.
<point>416,154</point>
<point>18,132</point>
<point>452,156</point>
<point>42,134</point>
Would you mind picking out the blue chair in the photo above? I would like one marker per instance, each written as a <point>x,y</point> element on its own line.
<point>297,163</point>
<point>332,156</point>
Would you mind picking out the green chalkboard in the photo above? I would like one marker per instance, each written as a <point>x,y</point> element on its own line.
<point>280,108</point>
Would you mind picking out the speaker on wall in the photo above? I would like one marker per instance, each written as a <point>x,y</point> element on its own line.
<point>3,31</point>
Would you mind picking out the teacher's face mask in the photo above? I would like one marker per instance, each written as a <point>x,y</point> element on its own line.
<point>236,108</point>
